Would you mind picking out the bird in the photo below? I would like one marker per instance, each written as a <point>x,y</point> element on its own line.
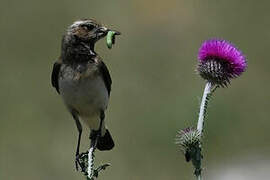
<point>83,80</point>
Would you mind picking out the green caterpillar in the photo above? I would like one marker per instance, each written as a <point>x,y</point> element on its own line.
<point>111,38</point>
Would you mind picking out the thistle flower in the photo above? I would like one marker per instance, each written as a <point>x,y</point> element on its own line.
<point>220,61</point>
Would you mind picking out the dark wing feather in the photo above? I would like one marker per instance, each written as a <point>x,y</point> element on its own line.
<point>55,76</point>
<point>106,76</point>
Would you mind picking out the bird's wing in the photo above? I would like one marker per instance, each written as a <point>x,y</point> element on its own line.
<point>55,75</point>
<point>106,76</point>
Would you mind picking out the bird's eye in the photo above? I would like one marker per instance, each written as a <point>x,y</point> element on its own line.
<point>89,27</point>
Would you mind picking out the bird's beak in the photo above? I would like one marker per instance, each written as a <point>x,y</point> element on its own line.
<point>116,32</point>
<point>103,31</point>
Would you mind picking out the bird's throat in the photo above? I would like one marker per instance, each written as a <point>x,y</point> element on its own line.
<point>78,52</point>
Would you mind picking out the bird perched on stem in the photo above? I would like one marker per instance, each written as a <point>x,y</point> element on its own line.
<point>83,80</point>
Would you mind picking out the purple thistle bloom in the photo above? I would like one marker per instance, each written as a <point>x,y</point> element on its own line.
<point>219,61</point>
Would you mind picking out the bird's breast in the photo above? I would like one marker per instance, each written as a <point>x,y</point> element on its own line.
<point>84,91</point>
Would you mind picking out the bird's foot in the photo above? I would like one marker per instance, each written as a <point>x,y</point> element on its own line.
<point>81,161</point>
<point>94,134</point>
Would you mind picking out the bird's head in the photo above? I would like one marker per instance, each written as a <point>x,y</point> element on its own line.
<point>87,30</point>
<point>78,42</point>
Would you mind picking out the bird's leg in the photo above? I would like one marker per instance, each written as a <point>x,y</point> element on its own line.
<point>79,127</point>
<point>95,134</point>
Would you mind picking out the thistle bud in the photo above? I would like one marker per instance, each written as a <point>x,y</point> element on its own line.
<point>188,139</point>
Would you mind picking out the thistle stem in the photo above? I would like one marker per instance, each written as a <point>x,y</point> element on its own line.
<point>207,91</point>
<point>90,168</point>
<point>199,177</point>
<point>91,156</point>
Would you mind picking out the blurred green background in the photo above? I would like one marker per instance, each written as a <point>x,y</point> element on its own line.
<point>155,89</point>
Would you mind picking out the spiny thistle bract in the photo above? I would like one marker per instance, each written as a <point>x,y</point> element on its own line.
<point>189,141</point>
<point>220,61</point>
<point>187,137</point>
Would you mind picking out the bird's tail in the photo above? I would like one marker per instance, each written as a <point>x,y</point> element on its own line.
<point>105,142</point>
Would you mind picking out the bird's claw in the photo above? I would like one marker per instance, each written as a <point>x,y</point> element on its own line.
<point>80,161</point>
<point>76,164</point>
